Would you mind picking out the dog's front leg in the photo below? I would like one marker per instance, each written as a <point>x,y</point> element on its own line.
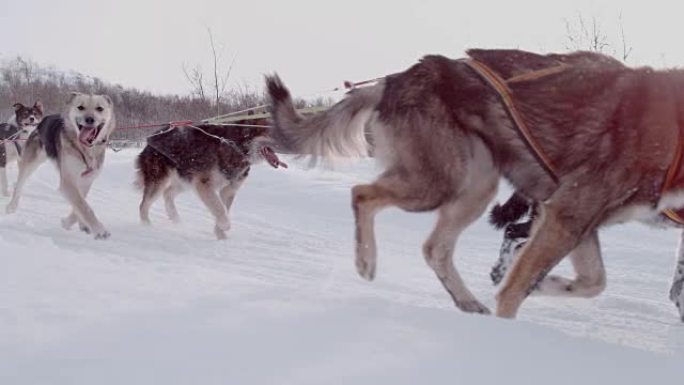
<point>205,191</point>
<point>81,208</point>
<point>676,293</point>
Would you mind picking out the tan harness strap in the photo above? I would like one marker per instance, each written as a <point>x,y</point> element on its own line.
<point>499,85</point>
<point>672,172</point>
<point>534,75</point>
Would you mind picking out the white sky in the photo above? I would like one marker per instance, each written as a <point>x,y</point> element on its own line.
<point>314,45</point>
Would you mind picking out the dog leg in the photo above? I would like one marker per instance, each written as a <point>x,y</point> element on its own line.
<point>169,202</point>
<point>33,157</point>
<point>72,218</point>
<point>591,275</point>
<point>207,194</point>
<point>3,181</point>
<point>439,248</point>
<point>676,292</point>
<point>554,235</point>
<point>81,208</point>
<point>150,194</point>
<point>367,200</point>
<point>228,194</point>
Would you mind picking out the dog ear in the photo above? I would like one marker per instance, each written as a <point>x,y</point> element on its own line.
<point>17,106</point>
<point>108,99</point>
<point>73,95</point>
<point>38,105</point>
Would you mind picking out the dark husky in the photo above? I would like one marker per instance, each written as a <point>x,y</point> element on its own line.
<point>14,133</point>
<point>210,158</point>
<point>516,232</point>
<point>445,137</point>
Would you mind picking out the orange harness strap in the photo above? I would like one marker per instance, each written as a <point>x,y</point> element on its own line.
<point>501,88</point>
<point>672,172</point>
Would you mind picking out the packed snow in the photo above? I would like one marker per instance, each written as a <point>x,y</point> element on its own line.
<point>280,302</point>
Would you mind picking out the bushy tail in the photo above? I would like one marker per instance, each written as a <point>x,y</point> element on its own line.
<point>336,132</point>
<point>515,207</point>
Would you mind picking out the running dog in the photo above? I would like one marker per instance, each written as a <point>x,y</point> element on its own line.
<point>75,141</point>
<point>603,146</point>
<point>14,133</point>
<point>210,158</point>
<point>516,234</point>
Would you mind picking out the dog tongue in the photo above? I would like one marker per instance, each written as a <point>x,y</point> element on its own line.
<point>87,135</point>
<point>271,157</point>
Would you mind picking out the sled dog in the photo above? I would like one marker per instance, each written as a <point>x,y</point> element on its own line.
<point>14,133</point>
<point>75,141</point>
<point>602,145</point>
<point>213,159</point>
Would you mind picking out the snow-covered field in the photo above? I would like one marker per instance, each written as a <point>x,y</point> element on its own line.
<point>279,302</point>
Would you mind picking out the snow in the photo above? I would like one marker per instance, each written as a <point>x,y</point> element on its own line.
<point>280,302</point>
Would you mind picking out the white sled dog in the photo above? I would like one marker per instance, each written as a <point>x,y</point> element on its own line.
<point>603,144</point>
<point>75,141</point>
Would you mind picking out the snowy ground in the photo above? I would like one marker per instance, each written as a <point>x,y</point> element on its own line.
<point>280,301</point>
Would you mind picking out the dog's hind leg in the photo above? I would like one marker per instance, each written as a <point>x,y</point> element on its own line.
<point>367,200</point>
<point>151,192</point>
<point>676,292</point>
<point>3,182</point>
<point>591,274</point>
<point>206,192</point>
<point>33,157</point>
<point>170,194</point>
<point>453,218</point>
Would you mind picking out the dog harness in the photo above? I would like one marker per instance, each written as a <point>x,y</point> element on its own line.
<point>505,94</point>
<point>672,172</point>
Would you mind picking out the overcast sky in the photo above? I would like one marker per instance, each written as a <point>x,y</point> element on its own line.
<point>314,45</point>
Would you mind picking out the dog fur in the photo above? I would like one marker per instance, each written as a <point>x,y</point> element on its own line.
<point>13,134</point>
<point>75,141</point>
<point>445,139</point>
<point>213,159</point>
<point>508,216</point>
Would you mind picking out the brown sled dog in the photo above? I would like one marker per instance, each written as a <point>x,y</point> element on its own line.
<point>445,137</point>
<point>210,158</point>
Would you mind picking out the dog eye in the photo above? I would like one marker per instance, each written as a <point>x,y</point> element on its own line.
<point>99,109</point>
<point>81,108</point>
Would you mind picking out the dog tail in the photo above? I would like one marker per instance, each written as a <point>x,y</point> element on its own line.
<point>339,131</point>
<point>515,207</point>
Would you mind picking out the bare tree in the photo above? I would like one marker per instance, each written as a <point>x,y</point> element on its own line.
<point>583,35</point>
<point>195,77</point>
<point>220,81</point>
<point>626,49</point>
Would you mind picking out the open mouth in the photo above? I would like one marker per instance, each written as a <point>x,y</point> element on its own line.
<point>270,156</point>
<point>88,134</point>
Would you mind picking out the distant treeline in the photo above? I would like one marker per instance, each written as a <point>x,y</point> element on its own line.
<point>25,81</point>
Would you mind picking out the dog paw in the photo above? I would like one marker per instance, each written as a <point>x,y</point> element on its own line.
<point>366,268</point>
<point>101,235</point>
<point>220,234</point>
<point>86,229</point>
<point>223,224</point>
<point>473,306</point>
<point>677,296</point>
